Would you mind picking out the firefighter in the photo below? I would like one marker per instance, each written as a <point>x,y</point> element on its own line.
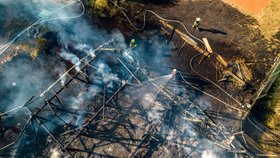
<point>196,23</point>
<point>133,44</point>
<point>173,73</point>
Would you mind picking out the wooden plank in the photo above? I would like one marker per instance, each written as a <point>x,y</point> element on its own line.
<point>221,60</point>
<point>235,77</point>
<point>186,38</point>
<point>206,52</point>
<point>245,71</point>
<point>208,47</point>
<point>183,35</point>
<point>107,49</point>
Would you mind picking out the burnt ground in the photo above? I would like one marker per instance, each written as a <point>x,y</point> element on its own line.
<point>230,33</point>
<point>233,36</point>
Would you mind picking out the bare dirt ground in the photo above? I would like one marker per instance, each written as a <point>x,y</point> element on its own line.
<point>266,12</point>
<point>252,7</point>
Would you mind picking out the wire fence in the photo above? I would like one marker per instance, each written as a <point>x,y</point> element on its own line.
<point>273,74</point>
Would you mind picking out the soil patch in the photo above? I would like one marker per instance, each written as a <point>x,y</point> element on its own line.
<point>250,6</point>
<point>266,12</point>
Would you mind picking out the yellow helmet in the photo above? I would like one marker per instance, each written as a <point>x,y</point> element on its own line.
<point>133,40</point>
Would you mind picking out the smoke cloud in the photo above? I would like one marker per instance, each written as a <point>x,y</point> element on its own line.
<point>55,153</point>
<point>72,58</point>
<point>23,77</point>
<point>208,154</point>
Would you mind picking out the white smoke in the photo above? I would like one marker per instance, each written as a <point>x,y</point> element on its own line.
<point>29,77</point>
<point>80,118</point>
<point>5,2</point>
<point>14,84</point>
<point>128,55</point>
<point>85,48</point>
<point>60,69</point>
<point>78,103</point>
<point>153,108</point>
<point>106,75</point>
<point>119,40</point>
<point>55,153</point>
<point>78,31</point>
<point>208,154</point>
<point>82,47</point>
<point>203,102</point>
<point>22,80</point>
<point>72,58</point>
<point>121,46</point>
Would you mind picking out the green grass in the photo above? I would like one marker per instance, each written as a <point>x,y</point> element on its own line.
<point>267,109</point>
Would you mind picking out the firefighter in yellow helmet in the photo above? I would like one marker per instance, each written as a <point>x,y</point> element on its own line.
<point>133,44</point>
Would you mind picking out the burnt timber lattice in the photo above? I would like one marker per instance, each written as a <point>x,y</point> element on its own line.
<point>110,117</point>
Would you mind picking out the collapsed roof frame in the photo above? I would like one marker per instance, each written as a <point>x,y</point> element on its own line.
<point>53,103</point>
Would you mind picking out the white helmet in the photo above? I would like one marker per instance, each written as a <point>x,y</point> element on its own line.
<point>197,19</point>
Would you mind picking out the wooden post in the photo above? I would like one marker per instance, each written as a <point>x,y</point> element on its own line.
<point>171,35</point>
<point>208,47</point>
<point>181,47</point>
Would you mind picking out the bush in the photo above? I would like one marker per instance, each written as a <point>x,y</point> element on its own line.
<point>103,8</point>
<point>100,5</point>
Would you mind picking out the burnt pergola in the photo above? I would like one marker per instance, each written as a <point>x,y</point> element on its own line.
<point>112,119</point>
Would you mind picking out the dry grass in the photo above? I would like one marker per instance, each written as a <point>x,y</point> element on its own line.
<point>268,18</point>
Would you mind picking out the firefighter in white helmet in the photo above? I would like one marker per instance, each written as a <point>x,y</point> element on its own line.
<point>173,73</point>
<point>196,24</point>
